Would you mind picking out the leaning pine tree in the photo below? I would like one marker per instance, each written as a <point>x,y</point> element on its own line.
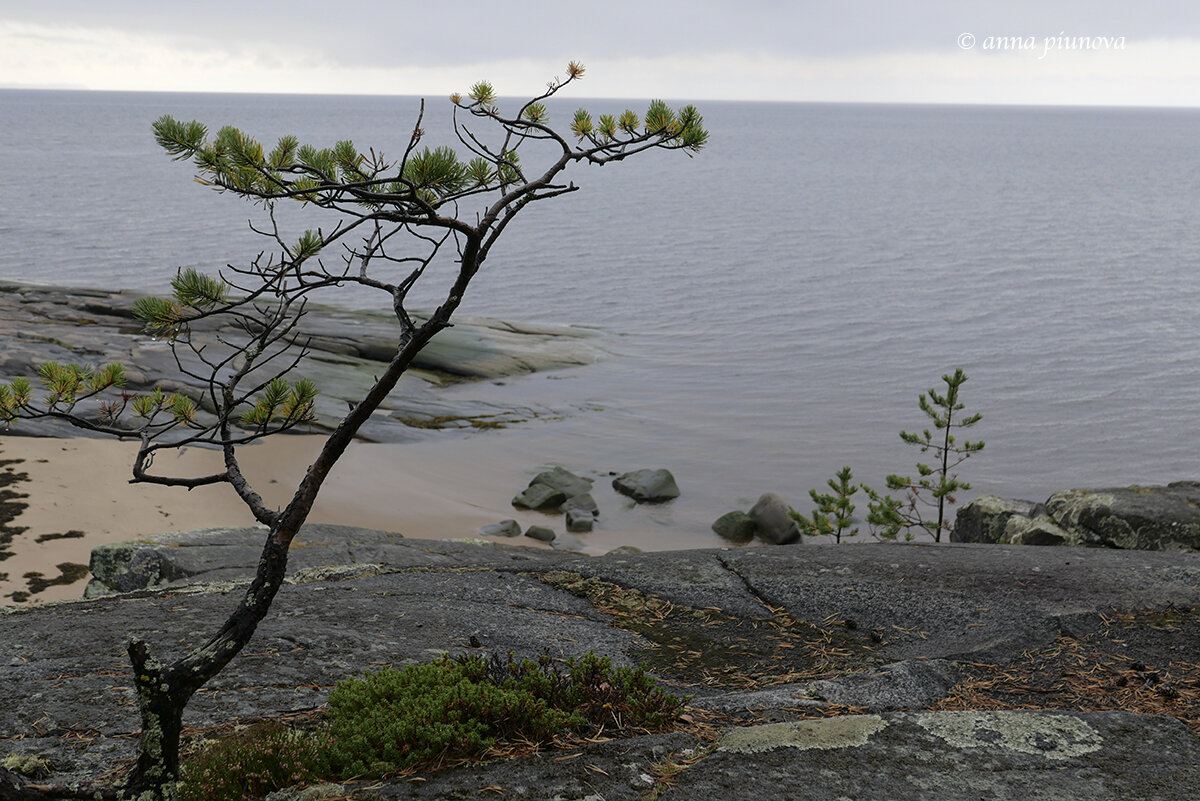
<point>396,221</point>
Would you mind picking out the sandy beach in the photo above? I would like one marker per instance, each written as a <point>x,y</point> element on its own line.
<point>79,496</point>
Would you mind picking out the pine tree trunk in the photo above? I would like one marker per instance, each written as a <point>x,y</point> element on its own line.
<point>163,692</point>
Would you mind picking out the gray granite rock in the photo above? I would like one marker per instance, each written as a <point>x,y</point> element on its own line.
<point>562,479</point>
<point>580,521</point>
<point>505,528</point>
<point>539,496</point>
<point>736,526</point>
<point>910,684</point>
<point>984,519</point>
<point>647,486</point>
<point>1150,518</point>
<point>346,347</point>
<point>567,542</point>
<point>772,521</point>
<point>68,673</point>
<point>551,489</point>
<point>1143,518</point>
<point>540,533</point>
<point>1040,530</point>
<point>582,502</point>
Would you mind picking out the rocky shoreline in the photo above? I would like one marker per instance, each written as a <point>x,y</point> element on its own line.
<point>346,348</point>
<point>1147,518</point>
<point>823,672</point>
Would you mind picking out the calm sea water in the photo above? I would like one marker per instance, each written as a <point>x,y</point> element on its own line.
<point>775,304</point>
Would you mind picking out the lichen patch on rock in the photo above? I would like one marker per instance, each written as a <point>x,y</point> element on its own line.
<point>1046,735</point>
<point>841,732</point>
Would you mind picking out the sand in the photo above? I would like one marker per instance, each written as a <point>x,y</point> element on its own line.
<point>434,490</point>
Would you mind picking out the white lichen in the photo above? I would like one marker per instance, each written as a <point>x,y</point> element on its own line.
<point>849,731</point>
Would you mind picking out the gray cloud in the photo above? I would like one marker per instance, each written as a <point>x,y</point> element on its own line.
<point>387,34</point>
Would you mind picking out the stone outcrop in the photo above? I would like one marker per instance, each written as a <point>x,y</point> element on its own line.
<point>1154,518</point>
<point>984,519</point>
<point>96,326</point>
<point>900,632</point>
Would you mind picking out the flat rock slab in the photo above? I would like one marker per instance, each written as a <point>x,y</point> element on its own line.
<point>346,348</point>
<point>942,610</point>
<point>948,756</point>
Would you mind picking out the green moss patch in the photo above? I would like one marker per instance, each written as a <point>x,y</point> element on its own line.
<point>709,647</point>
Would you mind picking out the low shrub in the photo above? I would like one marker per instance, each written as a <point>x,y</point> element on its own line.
<point>254,762</point>
<point>425,715</point>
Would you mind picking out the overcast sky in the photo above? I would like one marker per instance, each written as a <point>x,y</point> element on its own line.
<point>1097,52</point>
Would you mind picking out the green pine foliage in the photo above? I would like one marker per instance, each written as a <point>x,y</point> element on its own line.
<point>684,129</point>
<point>834,513</point>
<point>936,483</point>
<point>281,401</point>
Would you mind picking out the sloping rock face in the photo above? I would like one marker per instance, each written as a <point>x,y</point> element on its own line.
<point>898,632</point>
<point>1133,518</point>
<point>97,326</point>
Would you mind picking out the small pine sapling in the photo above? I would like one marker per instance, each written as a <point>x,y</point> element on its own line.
<point>935,485</point>
<point>834,513</point>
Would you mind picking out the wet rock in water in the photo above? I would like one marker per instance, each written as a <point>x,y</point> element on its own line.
<point>736,526</point>
<point>539,496</point>
<point>584,502</point>
<point>580,520</point>
<point>562,479</point>
<point>772,522</point>
<point>624,550</point>
<point>540,533</point>
<point>647,486</point>
<point>551,489</point>
<point>567,542</point>
<point>985,519</point>
<point>505,528</point>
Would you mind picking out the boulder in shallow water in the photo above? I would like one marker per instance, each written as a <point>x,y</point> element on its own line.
<point>540,533</point>
<point>647,486</point>
<point>552,488</point>
<point>505,528</point>
<point>772,522</point>
<point>580,520</point>
<point>539,496</point>
<point>584,503</point>
<point>735,526</point>
<point>567,542</point>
